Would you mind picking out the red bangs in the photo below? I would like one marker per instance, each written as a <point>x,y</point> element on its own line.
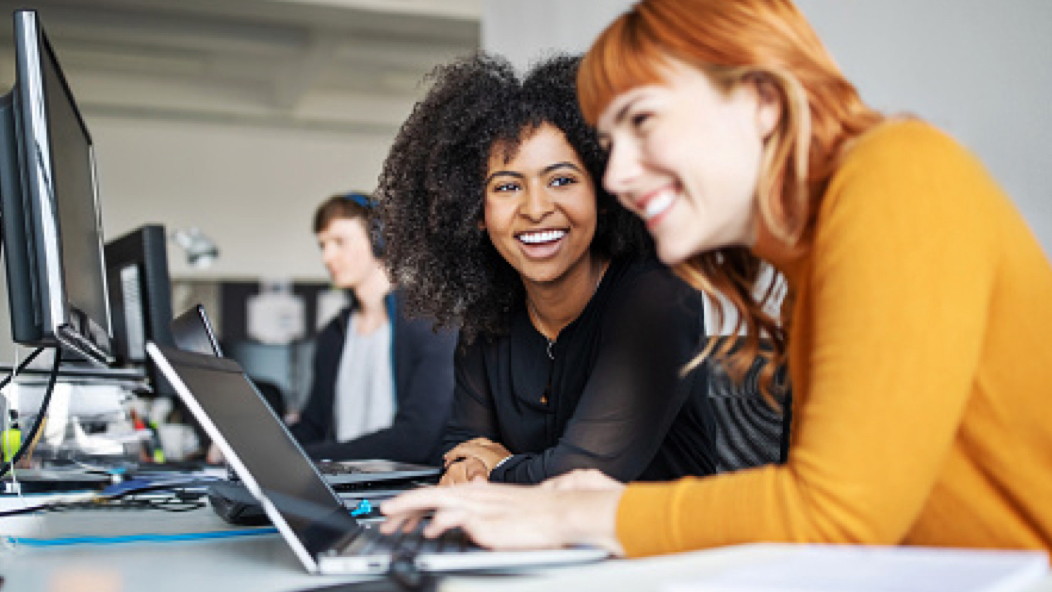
<point>619,60</point>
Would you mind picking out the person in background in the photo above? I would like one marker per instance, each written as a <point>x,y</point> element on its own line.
<point>917,321</point>
<point>382,383</point>
<point>573,337</point>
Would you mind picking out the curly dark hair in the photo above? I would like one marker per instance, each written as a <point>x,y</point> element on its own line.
<point>432,189</point>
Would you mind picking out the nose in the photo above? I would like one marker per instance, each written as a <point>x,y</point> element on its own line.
<point>537,203</point>
<point>327,253</point>
<point>622,168</point>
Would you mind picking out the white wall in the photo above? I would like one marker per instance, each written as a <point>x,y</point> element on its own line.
<point>253,189</point>
<point>976,68</point>
<point>523,31</point>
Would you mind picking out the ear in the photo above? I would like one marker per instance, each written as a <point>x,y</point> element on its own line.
<point>769,102</point>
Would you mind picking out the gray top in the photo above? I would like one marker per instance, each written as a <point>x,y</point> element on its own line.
<point>364,383</point>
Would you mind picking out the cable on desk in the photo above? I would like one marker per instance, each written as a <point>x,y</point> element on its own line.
<point>141,538</point>
<point>184,497</point>
<point>20,367</point>
<point>12,436</point>
<point>167,504</point>
<point>172,503</point>
<point>28,441</point>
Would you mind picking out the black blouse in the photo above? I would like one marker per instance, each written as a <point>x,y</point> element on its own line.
<point>612,399</point>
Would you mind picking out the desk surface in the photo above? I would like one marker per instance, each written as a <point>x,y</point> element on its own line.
<point>259,562</point>
<point>264,563</point>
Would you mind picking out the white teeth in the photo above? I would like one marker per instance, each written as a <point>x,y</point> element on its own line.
<point>547,236</point>
<point>659,204</point>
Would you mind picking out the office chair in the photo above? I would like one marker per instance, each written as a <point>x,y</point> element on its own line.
<point>749,432</point>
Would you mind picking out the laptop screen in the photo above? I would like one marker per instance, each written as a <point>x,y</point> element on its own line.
<point>192,331</point>
<point>236,414</point>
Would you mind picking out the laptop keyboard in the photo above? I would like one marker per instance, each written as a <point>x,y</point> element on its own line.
<point>370,541</point>
<point>335,468</point>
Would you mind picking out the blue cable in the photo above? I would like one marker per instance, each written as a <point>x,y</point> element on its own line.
<point>140,538</point>
<point>363,508</point>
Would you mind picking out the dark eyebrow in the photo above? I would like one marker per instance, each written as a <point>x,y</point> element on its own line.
<point>501,173</point>
<point>618,117</point>
<point>624,110</point>
<point>560,165</point>
<point>544,171</point>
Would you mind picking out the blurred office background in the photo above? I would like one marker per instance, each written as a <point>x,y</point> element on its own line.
<point>237,117</point>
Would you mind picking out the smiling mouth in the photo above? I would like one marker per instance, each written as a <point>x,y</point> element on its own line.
<point>542,237</point>
<point>659,204</point>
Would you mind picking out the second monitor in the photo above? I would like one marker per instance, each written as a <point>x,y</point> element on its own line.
<point>140,298</point>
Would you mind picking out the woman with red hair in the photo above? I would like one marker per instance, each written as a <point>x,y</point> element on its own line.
<point>915,325</point>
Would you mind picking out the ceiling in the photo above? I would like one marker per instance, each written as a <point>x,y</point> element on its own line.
<point>352,65</point>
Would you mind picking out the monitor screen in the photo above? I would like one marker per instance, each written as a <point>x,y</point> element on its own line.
<point>73,175</point>
<point>52,237</point>
<point>140,297</point>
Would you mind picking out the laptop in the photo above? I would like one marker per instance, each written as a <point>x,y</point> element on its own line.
<point>306,511</point>
<point>192,331</point>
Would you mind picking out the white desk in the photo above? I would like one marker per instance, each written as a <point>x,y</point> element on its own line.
<point>263,563</point>
<point>260,562</point>
<point>656,574</point>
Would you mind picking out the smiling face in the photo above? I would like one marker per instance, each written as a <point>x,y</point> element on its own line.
<point>540,207</point>
<point>685,156</point>
<point>347,252</point>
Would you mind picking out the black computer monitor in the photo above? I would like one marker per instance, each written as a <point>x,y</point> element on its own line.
<point>52,231</point>
<point>140,298</point>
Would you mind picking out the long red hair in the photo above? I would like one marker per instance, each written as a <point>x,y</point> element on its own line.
<point>733,41</point>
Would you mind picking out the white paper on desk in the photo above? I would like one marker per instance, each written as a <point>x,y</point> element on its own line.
<point>849,568</point>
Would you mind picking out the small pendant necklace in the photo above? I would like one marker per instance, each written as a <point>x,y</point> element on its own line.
<point>536,318</point>
<point>544,330</point>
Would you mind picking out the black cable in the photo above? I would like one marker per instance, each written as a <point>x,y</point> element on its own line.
<point>24,446</point>
<point>28,510</point>
<point>176,503</point>
<point>172,503</point>
<point>186,485</point>
<point>20,367</point>
<point>184,497</point>
<point>10,376</point>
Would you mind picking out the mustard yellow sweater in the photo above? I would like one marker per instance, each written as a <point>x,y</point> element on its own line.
<point>921,360</point>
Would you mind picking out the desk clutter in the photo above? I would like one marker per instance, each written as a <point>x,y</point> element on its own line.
<point>73,515</point>
<point>63,469</point>
<point>54,480</point>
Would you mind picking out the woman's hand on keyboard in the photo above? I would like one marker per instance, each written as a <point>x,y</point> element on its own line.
<point>501,516</point>
<point>583,479</point>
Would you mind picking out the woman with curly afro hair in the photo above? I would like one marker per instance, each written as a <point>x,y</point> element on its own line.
<point>572,336</point>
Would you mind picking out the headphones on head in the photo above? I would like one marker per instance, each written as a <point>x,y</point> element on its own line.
<point>373,225</point>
